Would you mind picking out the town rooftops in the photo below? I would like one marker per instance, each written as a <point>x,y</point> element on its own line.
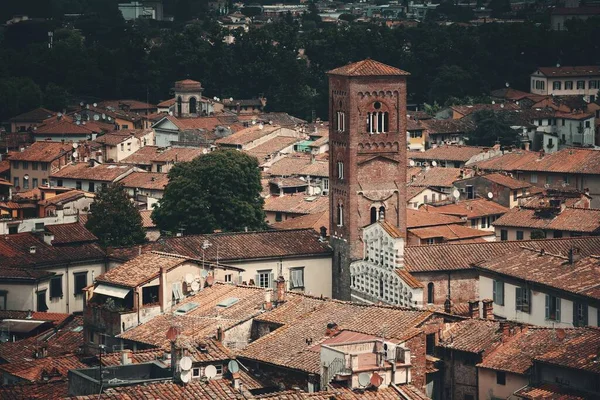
<point>562,72</point>
<point>34,371</point>
<point>143,156</point>
<point>580,277</point>
<point>549,391</point>
<point>236,246</point>
<point>36,115</point>
<point>99,172</point>
<point>73,233</point>
<point>248,135</point>
<point>128,104</point>
<point>146,180</point>
<point>441,126</point>
<point>368,67</point>
<point>178,154</point>
<point>42,152</point>
<point>460,256</point>
<point>450,232</point>
<point>422,218</point>
<point>472,336</point>
<point>465,110</point>
<point>469,209</point>
<point>584,220</point>
<point>141,269</point>
<point>64,127</point>
<point>188,85</point>
<point>436,177</point>
<point>314,221</point>
<point>147,219</point>
<point>506,181</point>
<point>447,153</point>
<point>114,138</point>
<point>579,352</point>
<point>65,197</point>
<point>299,165</point>
<point>272,146</point>
<point>296,204</point>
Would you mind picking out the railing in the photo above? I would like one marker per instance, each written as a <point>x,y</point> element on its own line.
<point>337,366</point>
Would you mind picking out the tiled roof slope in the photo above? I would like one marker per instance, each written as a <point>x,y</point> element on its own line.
<point>549,391</point>
<point>237,246</point>
<point>450,257</point>
<point>272,146</point>
<point>248,135</point>
<point>146,180</point>
<point>42,152</point>
<point>473,336</point>
<point>63,127</point>
<point>299,165</point>
<point>297,204</point>
<point>507,181</point>
<point>195,390</point>
<point>32,371</point>
<point>470,208</point>
<point>56,318</point>
<point>516,355</point>
<point>147,219</point>
<point>100,172</point>
<point>450,153</point>
<point>141,269</point>
<point>579,352</point>
<point>314,221</point>
<point>422,218</point>
<point>589,70</point>
<point>65,197</point>
<point>442,177</point>
<point>368,67</point>
<point>449,232</point>
<point>582,277</point>
<point>70,233</point>
<point>36,115</point>
<point>583,220</point>
<point>34,391</point>
<point>178,154</point>
<point>143,156</point>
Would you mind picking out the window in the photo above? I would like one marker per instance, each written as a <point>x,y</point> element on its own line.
<point>340,215</point>
<point>44,166</point>
<point>3,295</point>
<point>522,299</point>
<point>325,184</point>
<point>59,182</point>
<point>430,293</point>
<point>533,178</point>
<point>34,183</point>
<point>557,234</point>
<point>78,185</point>
<point>16,181</point>
<point>25,164</point>
<point>34,165</point>
<point>128,146</point>
<point>80,282</point>
<point>430,241</point>
<point>91,187</point>
<point>563,122</point>
<point>193,105</point>
<point>515,195</point>
<point>150,295</point>
<point>122,146</point>
<point>125,126</point>
<point>340,166</point>
<point>503,234</point>
<point>196,372</point>
<point>177,292</point>
<point>548,179</point>
<point>15,164</point>
<point>580,84</point>
<point>219,368</point>
<point>470,192</point>
<point>228,278</point>
<point>25,182</point>
<point>377,121</point>
<point>593,85</point>
<point>278,217</point>
<point>552,308</point>
<point>340,117</point>
<point>474,223</point>
<point>580,314</point>
<point>485,222</point>
<point>498,295</point>
<point>569,85</point>
<point>39,226</point>
<point>430,344</point>
<point>297,278</point>
<point>416,134</point>
<point>158,168</point>
<point>41,301</point>
<point>556,85</point>
<point>373,215</point>
<point>588,124</point>
<point>264,279</point>
<point>519,235</point>
<point>500,377</point>
<point>56,287</point>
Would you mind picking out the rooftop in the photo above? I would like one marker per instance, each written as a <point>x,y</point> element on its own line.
<point>297,204</point>
<point>73,233</point>
<point>272,146</point>
<point>147,219</point>
<point>146,180</point>
<point>448,153</point>
<point>472,336</point>
<point>36,115</point>
<point>422,218</point>
<point>34,371</point>
<point>178,154</point>
<point>368,67</point>
<point>99,172</point>
<point>549,391</point>
<point>584,220</point>
<point>437,177</point>
<point>440,126</point>
<point>299,164</point>
<point>63,127</point>
<point>65,197</point>
<point>469,109</point>
<point>42,152</point>
<point>248,135</point>
<point>506,181</point>
<point>580,352</point>
<point>450,232</point>
<point>314,221</point>
<point>590,70</point>
<point>143,156</point>
<point>476,208</point>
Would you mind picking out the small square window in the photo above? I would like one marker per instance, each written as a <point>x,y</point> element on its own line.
<point>501,377</point>
<point>228,278</point>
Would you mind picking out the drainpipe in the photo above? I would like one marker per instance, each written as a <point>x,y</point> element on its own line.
<point>68,293</point>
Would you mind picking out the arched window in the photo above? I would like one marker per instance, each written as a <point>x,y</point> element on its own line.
<point>430,293</point>
<point>381,287</point>
<point>340,215</point>
<point>373,215</point>
<point>179,101</point>
<point>381,212</point>
<point>193,105</point>
<point>378,121</point>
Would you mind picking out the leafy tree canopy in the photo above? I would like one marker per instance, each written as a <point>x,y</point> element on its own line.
<point>492,128</point>
<point>114,219</point>
<point>218,191</point>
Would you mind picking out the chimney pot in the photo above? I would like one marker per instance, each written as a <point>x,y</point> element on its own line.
<point>280,289</point>
<point>474,308</point>
<point>488,309</point>
<point>220,334</point>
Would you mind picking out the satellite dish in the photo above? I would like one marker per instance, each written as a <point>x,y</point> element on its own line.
<point>210,371</point>
<point>189,278</point>
<point>204,151</point>
<point>185,363</point>
<point>490,195</point>
<point>231,99</point>
<point>411,163</point>
<point>204,274</point>
<point>185,376</point>
<point>26,177</point>
<point>364,379</point>
<point>109,118</point>
<point>260,126</point>
<point>434,163</point>
<point>75,145</point>
<point>507,84</point>
<point>96,117</point>
<point>78,117</point>
<point>81,103</point>
<point>103,116</point>
<point>376,379</point>
<point>456,194</point>
<point>75,154</point>
<point>95,104</point>
<point>59,114</point>
<point>77,122</point>
<point>233,366</point>
<point>195,286</point>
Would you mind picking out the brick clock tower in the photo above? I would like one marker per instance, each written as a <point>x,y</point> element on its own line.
<point>367,158</point>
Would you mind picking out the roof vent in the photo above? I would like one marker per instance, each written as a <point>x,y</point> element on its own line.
<point>32,249</point>
<point>186,308</point>
<point>228,302</point>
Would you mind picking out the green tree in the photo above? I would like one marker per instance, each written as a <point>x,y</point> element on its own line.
<point>114,219</point>
<point>491,128</point>
<point>56,97</point>
<point>220,190</point>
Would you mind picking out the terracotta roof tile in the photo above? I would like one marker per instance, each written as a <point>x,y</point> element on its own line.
<point>116,137</point>
<point>507,181</point>
<point>63,127</point>
<point>590,70</point>
<point>178,154</point>
<point>167,103</point>
<point>271,147</point>
<point>469,109</point>
<point>70,234</point>
<point>314,221</point>
<point>99,172</point>
<point>65,197</point>
<point>299,165</point>
<point>422,218</point>
<point>133,105</point>
<point>143,156</point>
<point>33,371</point>
<point>448,153</point>
<point>56,318</point>
<point>549,391</point>
<point>42,152</point>
<point>297,204</point>
<point>146,219</point>
<point>439,126</point>
<point>472,335</point>
<point>437,177</point>
<point>391,229</point>
<point>476,208</point>
<point>195,390</point>
<point>408,279</point>
<point>579,352</point>
<point>584,220</point>
<point>368,67</point>
<point>248,135</point>
<point>36,115</point>
<point>30,391</point>
<point>146,180</point>
<point>449,232</point>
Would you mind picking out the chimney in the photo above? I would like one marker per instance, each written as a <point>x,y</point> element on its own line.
<point>235,377</point>
<point>32,249</point>
<point>474,308</point>
<point>505,326</point>
<point>125,357</point>
<point>323,233</point>
<point>312,157</point>
<point>448,305</point>
<point>488,309</point>
<point>527,144</point>
<point>541,154</point>
<point>332,329</point>
<point>220,334</point>
<point>280,290</point>
<point>48,238</point>
<point>267,304</point>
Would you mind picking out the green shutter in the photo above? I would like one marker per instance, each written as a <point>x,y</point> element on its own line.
<point>547,307</point>
<point>519,298</point>
<point>494,291</point>
<point>557,309</point>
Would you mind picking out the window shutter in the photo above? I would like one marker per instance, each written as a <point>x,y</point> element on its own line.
<point>301,277</point>
<point>501,293</point>
<point>271,280</point>
<point>494,292</point>
<point>257,279</point>
<point>240,279</point>
<point>547,307</point>
<point>576,321</point>
<point>557,309</point>
<point>294,277</point>
<point>585,315</point>
<point>519,298</point>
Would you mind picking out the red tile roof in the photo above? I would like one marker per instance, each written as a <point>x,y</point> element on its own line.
<point>449,232</point>
<point>422,218</point>
<point>42,152</point>
<point>56,318</point>
<point>506,181</point>
<point>469,109</point>
<point>70,234</point>
<point>146,219</point>
<point>167,103</point>
<point>65,197</point>
<point>297,204</point>
<point>143,156</point>
<point>33,391</point>
<point>63,127</point>
<point>178,154</point>
<point>447,153</point>
<point>37,115</point>
<point>584,220</point>
<point>391,229</point>
<point>220,389</point>
<point>99,172</point>
<point>133,105</point>
<point>409,279</point>
<point>590,70</point>
<point>574,115</point>
<point>472,335</point>
<point>476,208</point>
<point>436,177</point>
<point>33,371</point>
<point>146,180</point>
<point>440,126</point>
<point>314,221</point>
<point>248,135</point>
<point>299,165</point>
<point>273,146</point>
<point>549,391</point>
<point>580,352</point>
<point>368,67</point>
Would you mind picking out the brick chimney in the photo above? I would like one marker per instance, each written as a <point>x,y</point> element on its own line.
<point>220,334</point>
<point>527,144</point>
<point>332,329</point>
<point>267,305</point>
<point>280,290</point>
<point>474,308</point>
<point>505,326</point>
<point>488,309</point>
<point>125,357</point>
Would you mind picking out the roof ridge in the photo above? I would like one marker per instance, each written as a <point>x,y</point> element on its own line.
<point>164,253</point>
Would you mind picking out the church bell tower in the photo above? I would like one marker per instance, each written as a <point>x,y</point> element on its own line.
<point>367,158</point>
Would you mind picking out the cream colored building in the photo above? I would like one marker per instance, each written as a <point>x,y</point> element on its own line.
<point>567,81</point>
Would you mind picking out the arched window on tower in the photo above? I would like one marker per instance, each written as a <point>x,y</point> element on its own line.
<point>340,119</point>
<point>381,212</point>
<point>378,121</point>
<point>193,105</point>
<point>179,102</point>
<point>430,293</point>
<point>373,215</point>
<point>340,215</point>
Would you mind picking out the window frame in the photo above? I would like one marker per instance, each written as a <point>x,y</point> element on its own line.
<point>54,287</point>
<point>38,294</point>
<point>501,378</point>
<point>498,292</point>
<point>76,277</point>
<point>265,278</point>
<point>503,235</point>
<point>550,301</point>
<point>523,299</point>
<point>296,283</point>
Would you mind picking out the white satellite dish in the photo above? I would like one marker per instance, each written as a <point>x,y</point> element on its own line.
<point>185,376</point>
<point>59,114</point>
<point>411,163</point>
<point>171,113</point>
<point>493,102</point>
<point>364,379</point>
<point>233,366</point>
<point>109,118</point>
<point>204,274</point>
<point>95,104</point>
<point>195,286</point>
<point>96,117</point>
<point>26,177</point>
<point>77,117</point>
<point>75,154</point>
<point>185,363</point>
<point>231,99</point>
<point>81,103</point>
<point>75,145</point>
<point>103,116</point>
<point>189,278</point>
<point>210,371</point>
<point>490,195</point>
<point>77,122</point>
<point>204,151</point>
<point>456,194</point>
<point>434,163</point>
<point>260,126</point>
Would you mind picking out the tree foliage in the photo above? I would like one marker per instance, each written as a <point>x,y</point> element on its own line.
<point>218,191</point>
<point>114,219</point>
<point>492,127</point>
